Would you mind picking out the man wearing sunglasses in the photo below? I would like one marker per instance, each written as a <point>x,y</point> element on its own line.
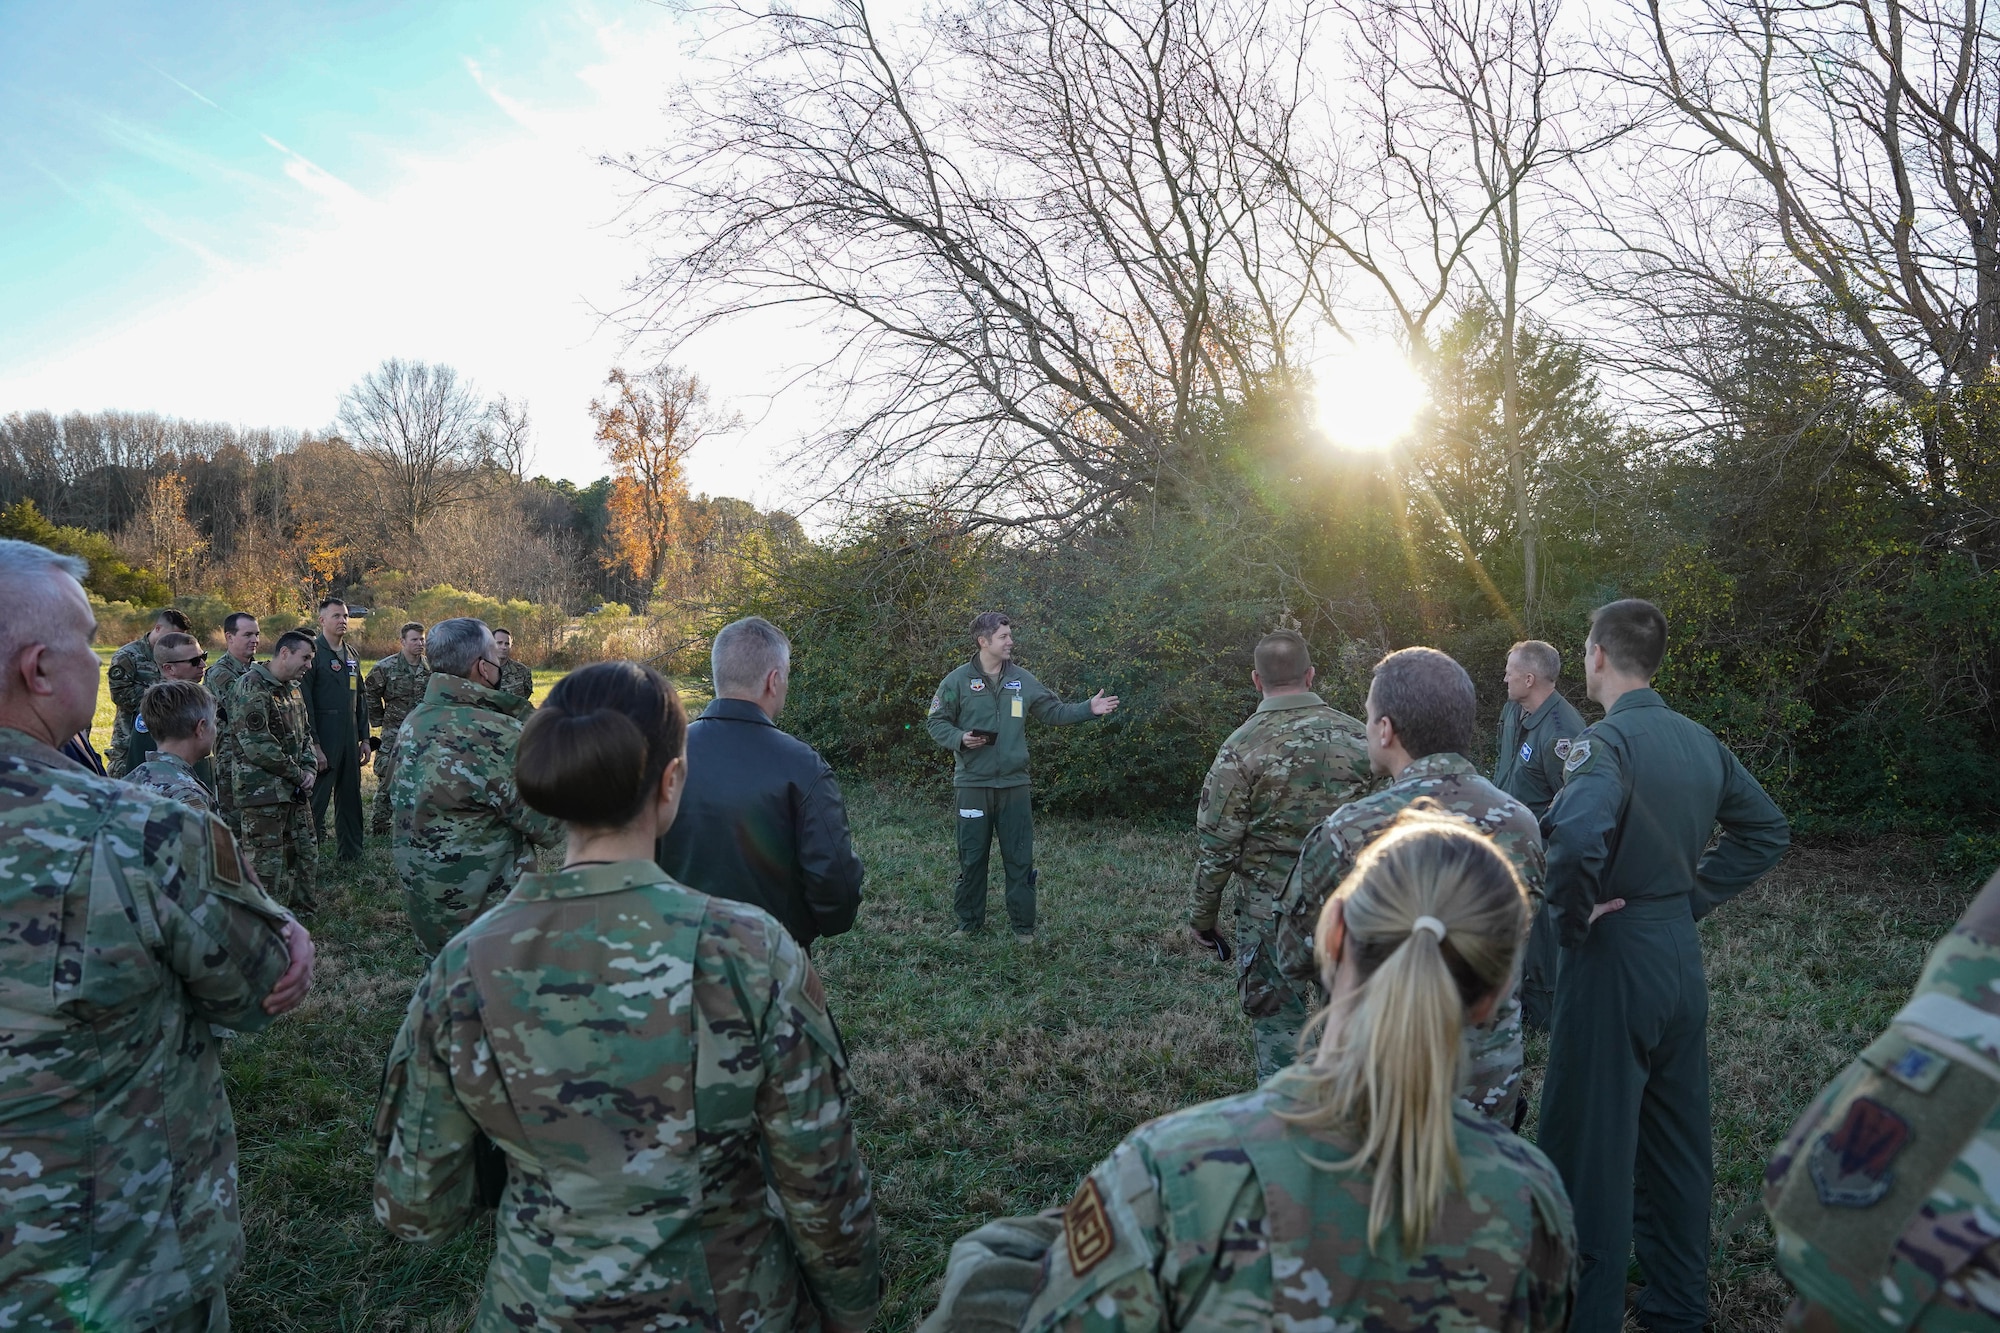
<point>179,657</point>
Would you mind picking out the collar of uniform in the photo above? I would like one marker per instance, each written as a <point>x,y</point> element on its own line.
<point>20,745</point>
<point>1643,697</point>
<point>1273,703</point>
<point>1437,766</point>
<point>445,688</point>
<point>144,646</point>
<point>322,644</point>
<point>172,760</point>
<point>734,710</point>
<point>1530,720</point>
<point>1009,665</point>
<point>264,669</point>
<point>588,881</point>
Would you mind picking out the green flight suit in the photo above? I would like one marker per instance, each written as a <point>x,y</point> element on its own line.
<point>1884,1196</point>
<point>990,784</point>
<point>1532,750</point>
<point>338,711</point>
<point>1625,1107</point>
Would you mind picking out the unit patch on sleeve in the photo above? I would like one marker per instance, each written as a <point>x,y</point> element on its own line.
<point>1087,1229</point>
<point>1852,1164</point>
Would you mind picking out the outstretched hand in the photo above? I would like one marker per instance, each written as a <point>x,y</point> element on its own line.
<point>1102,703</point>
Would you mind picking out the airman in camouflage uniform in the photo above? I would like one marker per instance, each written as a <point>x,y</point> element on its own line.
<point>394,686</point>
<point>647,1057</point>
<point>515,677</point>
<point>1885,1196</point>
<point>221,682</point>
<point>1291,764</point>
<point>131,673</point>
<point>1224,1217</point>
<point>1493,1081</point>
<point>127,926</point>
<point>173,777</point>
<point>462,835</point>
<point>273,775</point>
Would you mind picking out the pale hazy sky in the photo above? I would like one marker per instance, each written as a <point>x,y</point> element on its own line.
<point>232,211</point>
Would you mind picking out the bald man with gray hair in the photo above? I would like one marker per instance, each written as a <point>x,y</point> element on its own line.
<point>113,1117</point>
<point>762,820</point>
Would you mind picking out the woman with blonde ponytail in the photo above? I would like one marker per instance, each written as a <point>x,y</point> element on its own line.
<point>1357,1191</point>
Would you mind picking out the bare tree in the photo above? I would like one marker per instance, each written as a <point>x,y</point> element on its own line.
<point>511,447</point>
<point>1030,231</point>
<point>425,433</point>
<point>1835,168</point>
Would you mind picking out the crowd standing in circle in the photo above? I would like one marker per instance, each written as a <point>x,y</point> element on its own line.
<point>632,1059</point>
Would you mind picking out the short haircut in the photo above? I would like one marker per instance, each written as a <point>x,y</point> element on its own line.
<point>168,615</point>
<point>987,623</point>
<point>745,651</point>
<point>176,640</point>
<point>27,572</point>
<point>454,645</point>
<point>1633,634</point>
<point>233,622</point>
<point>291,641</point>
<point>498,630</point>
<point>174,708</point>
<point>325,602</point>
<point>1429,698</point>
<point>1539,657</point>
<point>1282,658</point>
<point>595,750</point>
<point>409,625</point>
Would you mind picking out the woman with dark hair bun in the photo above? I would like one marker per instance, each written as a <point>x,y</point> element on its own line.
<point>656,1065</point>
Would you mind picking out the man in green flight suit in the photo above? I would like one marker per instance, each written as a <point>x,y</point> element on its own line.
<point>338,712</point>
<point>1625,1108</point>
<point>1296,761</point>
<point>980,714</point>
<point>1884,1196</point>
<point>1536,727</point>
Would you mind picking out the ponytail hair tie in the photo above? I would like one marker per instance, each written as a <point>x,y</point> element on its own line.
<point>1430,923</point>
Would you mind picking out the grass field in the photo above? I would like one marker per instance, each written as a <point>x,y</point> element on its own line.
<point>990,1077</point>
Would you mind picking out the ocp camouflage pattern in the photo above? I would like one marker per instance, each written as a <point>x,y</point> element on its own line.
<point>1494,1048</point>
<point>1212,1220</point>
<point>1294,761</point>
<point>462,834</point>
<point>1898,1226</point>
<point>126,928</point>
<point>643,1054</point>
<point>221,682</point>
<point>132,672</point>
<point>173,777</point>
<point>273,747</point>
<point>517,679</point>
<point>394,686</point>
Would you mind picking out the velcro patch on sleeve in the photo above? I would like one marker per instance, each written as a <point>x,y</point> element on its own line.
<point>1087,1229</point>
<point>227,862</point>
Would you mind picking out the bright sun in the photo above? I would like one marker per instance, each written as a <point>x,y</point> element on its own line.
<point>1367,397</point>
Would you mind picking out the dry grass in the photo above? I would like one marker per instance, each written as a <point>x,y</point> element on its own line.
<point>991,1076</point>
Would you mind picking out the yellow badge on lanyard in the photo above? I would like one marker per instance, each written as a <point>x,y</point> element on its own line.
<point>1017,705</point>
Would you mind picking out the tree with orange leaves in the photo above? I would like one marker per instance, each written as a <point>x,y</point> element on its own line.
<point>648,425</point>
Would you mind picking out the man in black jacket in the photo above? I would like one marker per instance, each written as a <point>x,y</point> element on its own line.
<point>761,820</point>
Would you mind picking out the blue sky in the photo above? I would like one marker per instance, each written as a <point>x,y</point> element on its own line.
<point>233,211</point>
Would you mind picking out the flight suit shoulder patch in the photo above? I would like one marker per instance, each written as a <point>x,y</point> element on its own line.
<point>1578,756</point>
<point>1561,748</point>
<point>1087,1229</point>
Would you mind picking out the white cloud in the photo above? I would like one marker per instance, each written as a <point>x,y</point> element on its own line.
<point>492,258</point>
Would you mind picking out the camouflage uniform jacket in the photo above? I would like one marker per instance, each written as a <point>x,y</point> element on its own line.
<point>127,926</point>
<point>221,682</point>
<point>660,1070</point>
<point>517,679</point>
<point>131,673</point>
<point>269,737</point>
<point>1294,762</point>
<point>462,833</point>
<point>1224,1217</point>
<point>173,777</point>
<point>1330,852</point>
<point>1886,1195</point>
<point>393,688</point>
